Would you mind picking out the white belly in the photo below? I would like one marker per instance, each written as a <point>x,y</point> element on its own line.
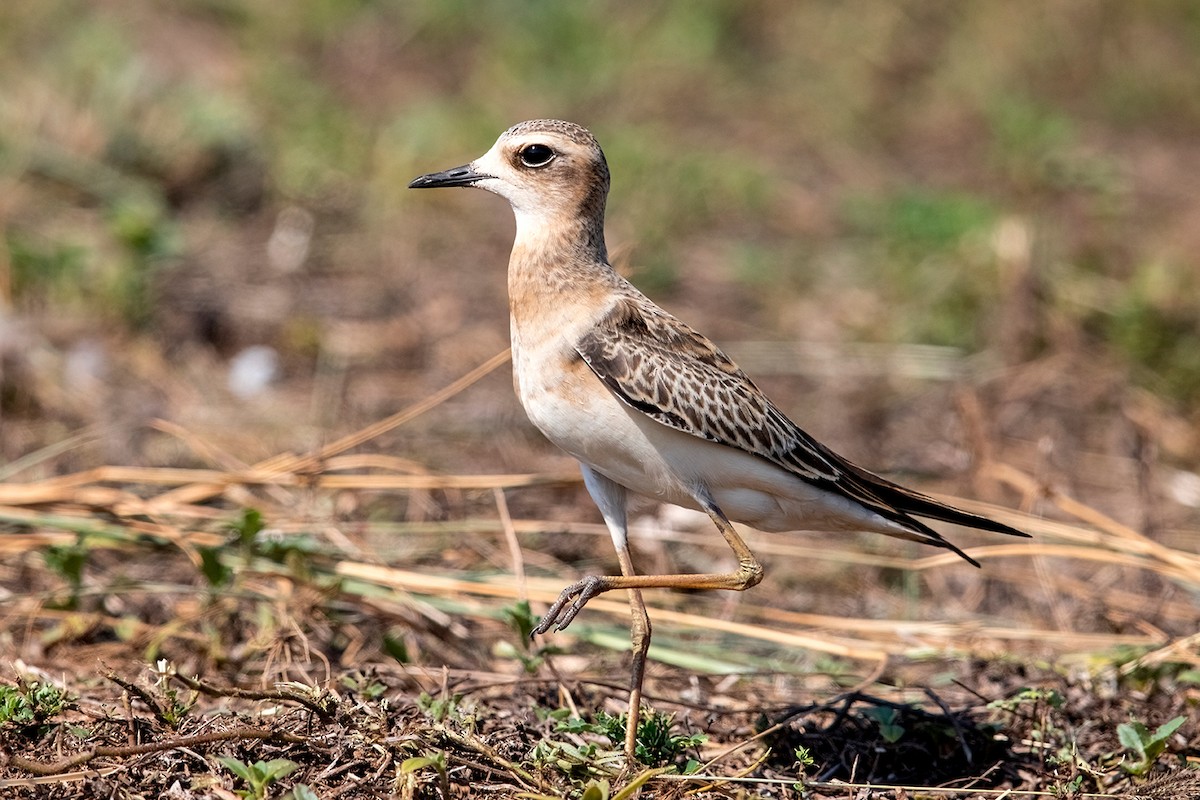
<point>577,412</point>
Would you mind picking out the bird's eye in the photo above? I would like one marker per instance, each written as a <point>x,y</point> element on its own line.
<point>536,155</point>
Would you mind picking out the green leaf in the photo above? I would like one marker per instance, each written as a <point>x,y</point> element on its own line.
<point>1133,735</point>
<point>396,647</point>
<point>595,790</point>
<point>891,730</point>
<point>1165,730</point>
<point>415,763</point>
<point>214,571</point>
<point>250,525</point>
<point>519,617</point>
<point>237,767</point>
<point>275,769</point>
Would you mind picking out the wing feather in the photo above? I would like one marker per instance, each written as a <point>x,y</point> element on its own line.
<point>678,377</point>
<point>673,374</point>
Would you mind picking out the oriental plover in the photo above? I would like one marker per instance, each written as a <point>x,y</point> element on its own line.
<point>646,403</point>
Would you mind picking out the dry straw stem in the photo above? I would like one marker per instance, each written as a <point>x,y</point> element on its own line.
<point>66,777</point>
<point>78,487</point>
<point>547,591</point>
<point>126,751</point>
<point>877,789</point>
<point>876,640</point>
<point>312,463</point>
<point>68,503</point>
<point>1108,531</point>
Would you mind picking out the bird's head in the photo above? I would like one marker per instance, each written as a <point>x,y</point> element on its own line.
<point>546,169</point>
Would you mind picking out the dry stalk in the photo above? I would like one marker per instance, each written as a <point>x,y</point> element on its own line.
<point>322,705</point>
<point>69,503</point>
<point>125,751</point>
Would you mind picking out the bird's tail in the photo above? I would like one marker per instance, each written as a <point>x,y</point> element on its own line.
<point>907,504</point>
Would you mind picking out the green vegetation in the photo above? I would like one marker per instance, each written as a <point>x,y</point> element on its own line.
<point>521,619</point>
<point>1146,746</point>
<point>28,705</point>
<point>887,718</point>
<point>657,744</point>
<point>111,140</point>
<point>68,561</point>
<point>929,255</point>
<point>258,776</point>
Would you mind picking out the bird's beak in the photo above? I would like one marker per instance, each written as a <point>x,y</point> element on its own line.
<point>465,175</point>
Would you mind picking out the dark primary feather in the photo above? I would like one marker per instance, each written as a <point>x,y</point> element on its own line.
<point>676,376</point>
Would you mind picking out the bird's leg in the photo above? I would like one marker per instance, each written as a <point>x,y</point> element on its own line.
<point>639,634</point>
<point>749,572</point>
<point>575,597</point>
<point>571,601</point>
<point>610,498</point>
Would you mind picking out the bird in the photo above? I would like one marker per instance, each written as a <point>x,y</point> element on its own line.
<point>647,404</point>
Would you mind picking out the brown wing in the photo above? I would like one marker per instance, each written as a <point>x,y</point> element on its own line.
<point>675,375</point>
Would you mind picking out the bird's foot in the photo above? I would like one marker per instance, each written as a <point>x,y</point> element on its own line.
<point>569,604</point>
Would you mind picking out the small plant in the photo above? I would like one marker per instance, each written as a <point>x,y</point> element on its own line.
<point>248,539</point>
<point>247,529</point>
<point>596,760</point>
<point>656,744</point>
<point>1026,697</point>
<point>1069,761</point>
<point>888,720</point>
<point>214,570</point>
<point>1146,746</point>
<point>440,709</point>
<point>521,620</point>
<point>804,759</point>
<point>435,760</point>
<point>1037,706</point>
<point>1069,789</point>
<point>68,562</point>
<point>174,710</point>
<point>259,775</point>
<point>577,761</point>
<point>29,704</point>
<point>366,686</point>
<point>213,560</point>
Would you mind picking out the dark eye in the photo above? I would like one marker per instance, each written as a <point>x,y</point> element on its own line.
<point>536,155</point>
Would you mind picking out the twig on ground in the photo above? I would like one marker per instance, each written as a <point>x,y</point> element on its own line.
<point>125,751</point>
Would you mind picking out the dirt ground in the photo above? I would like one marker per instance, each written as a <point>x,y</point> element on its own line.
<point>366,631</point>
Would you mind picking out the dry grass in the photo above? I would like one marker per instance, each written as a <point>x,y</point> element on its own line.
<point>331,601</point>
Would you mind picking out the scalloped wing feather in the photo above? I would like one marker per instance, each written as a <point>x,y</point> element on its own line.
<point>673,374</point>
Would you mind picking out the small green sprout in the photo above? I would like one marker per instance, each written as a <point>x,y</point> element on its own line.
<point>435,760</point>
<point>30,703</point>
<point>888,720</point>
<point>1146,746</point>
<point>259,775</point>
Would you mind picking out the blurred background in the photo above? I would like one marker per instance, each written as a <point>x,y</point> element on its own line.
<point>939,234</point>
